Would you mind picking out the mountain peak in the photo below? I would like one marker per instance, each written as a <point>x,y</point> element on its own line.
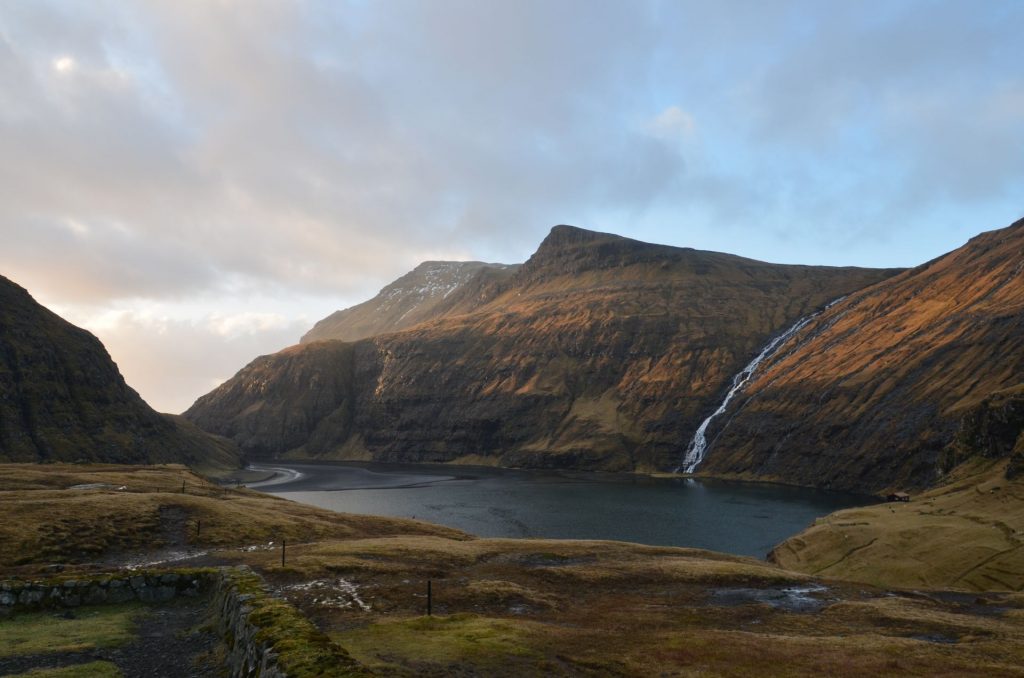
<point>565,234</point>
<point>570,250</point>
<point>432,287</point>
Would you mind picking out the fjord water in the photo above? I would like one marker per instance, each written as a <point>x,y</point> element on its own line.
<point>741,518</point>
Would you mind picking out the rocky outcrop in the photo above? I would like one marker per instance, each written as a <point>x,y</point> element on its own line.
<point>993,429</point>
<point>63,399</point>
<point>600,352</point>
<point>872,394</point>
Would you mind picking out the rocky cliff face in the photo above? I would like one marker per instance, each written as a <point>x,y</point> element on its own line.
<point>992,429</point>
<point>63,399</point>
<point>433,289</point>
<point>600,352</point>
<point>871,394</point>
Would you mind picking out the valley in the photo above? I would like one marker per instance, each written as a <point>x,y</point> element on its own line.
<point>594,370</point>
<point>492,338</point>
<point>62,399</point>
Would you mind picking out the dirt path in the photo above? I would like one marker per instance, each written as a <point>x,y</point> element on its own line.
<point>171,641</point>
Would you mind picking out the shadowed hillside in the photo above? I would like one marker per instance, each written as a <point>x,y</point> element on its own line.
<point>63,399</point>
<point>600,352</point>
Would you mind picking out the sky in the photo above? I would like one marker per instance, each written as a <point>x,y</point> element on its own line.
<point>197,183</point>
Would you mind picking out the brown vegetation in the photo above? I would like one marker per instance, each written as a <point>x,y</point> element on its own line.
<point>968,535</point>
<point>510,607</point>
<point>46,520</point>
<point>555,607</point>
<point>871,394</point>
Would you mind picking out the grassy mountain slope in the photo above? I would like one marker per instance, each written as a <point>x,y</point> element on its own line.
<point>63,399</point>
<point>968,534</point>
<point>871,394</point>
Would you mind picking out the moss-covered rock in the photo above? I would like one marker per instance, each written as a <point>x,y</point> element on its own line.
<point>267,636</point>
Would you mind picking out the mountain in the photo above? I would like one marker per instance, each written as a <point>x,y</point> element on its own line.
<point>600,352</point>
<point>882,390</point>
<point>432,289</point>
<point>63,399</point>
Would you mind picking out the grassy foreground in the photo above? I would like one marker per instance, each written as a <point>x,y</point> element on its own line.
<point>75,514</point>
<point>40,632</point>
<point>90,670</point>
<point>525,607</point>
<point>966,535</point>
<point>510,607</point>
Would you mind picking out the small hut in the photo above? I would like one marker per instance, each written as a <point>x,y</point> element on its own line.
<point>898,496</point>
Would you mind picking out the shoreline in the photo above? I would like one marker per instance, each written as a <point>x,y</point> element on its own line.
<point>576,474</point>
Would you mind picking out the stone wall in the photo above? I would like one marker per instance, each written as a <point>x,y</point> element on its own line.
<point>251,621</point>
<point>267,637</point>
<point>246,654</point>
<point>146,587</point>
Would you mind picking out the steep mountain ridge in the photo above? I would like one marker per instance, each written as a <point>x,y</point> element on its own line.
<point>600,352</point>
<point>430,290</point>
<point>871,394</point>
<point>63,399</point>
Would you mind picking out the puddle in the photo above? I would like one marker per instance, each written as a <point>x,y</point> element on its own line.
<point>788,598</point>
<point>937,638</point>
<point>978,604</point>
<point>159,558</point>
<point>98,486</point>
<point>543,560</point>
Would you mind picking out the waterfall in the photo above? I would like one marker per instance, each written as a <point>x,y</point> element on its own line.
<point>699,445</point>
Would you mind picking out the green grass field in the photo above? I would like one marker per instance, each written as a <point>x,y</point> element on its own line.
<point>41,632</point>
<point>88,670</point>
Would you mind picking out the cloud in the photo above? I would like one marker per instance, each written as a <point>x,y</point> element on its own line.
<point>219,155</point>
<point>239,324</point>
<point>171,361</point>
<point>313,146</point>
<point>672,124</point>
<point>296,145</point>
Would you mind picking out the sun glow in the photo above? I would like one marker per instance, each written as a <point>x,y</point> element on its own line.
<point>64,64</point>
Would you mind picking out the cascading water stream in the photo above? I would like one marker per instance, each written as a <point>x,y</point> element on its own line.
<point>699,445</point>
